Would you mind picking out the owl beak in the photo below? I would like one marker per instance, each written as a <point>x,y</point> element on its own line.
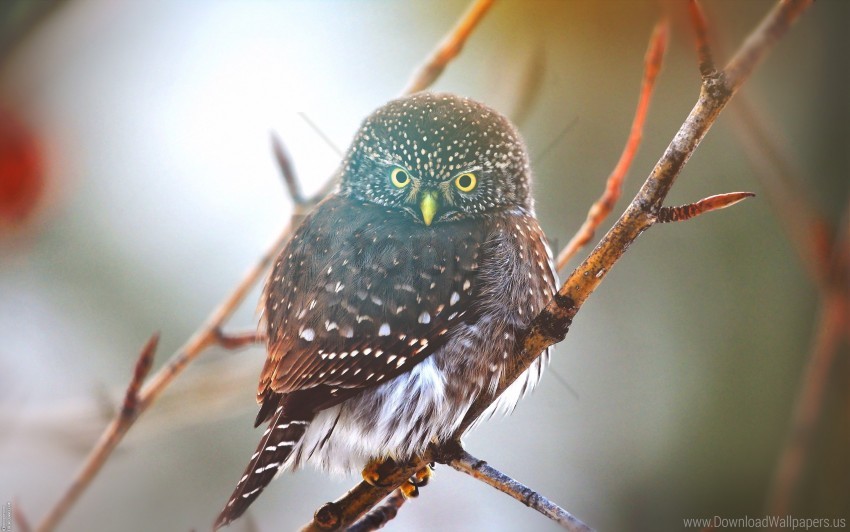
<point>429,206</point>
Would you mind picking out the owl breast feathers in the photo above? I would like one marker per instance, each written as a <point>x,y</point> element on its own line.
<point>397,302</point>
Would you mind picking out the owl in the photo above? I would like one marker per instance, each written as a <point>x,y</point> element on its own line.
<point>397,303</point>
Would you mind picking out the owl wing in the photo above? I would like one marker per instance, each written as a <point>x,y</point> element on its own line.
<point>361,295</point>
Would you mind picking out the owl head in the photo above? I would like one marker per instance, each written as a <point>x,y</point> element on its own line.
<point>438,158</point>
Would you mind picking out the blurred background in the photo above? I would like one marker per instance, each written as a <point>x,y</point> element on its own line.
<point>137,185</point>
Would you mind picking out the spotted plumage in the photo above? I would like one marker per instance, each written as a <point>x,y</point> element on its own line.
<point>397,302</point>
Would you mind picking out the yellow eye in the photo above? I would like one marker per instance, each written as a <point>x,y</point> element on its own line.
<point>466,182</point>
<point>400,177</point>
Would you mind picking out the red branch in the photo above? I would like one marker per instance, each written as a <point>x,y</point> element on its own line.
<point>614,185</point>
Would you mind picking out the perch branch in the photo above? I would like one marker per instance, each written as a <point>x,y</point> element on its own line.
<point>552,324</point>
<point>614,184</point>
<point>380,515</point>
<point>480,470</point>
<point>449,48</point>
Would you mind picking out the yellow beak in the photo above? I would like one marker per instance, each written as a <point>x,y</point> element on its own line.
<point>428,205</point>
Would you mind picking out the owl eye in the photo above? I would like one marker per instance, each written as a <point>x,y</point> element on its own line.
<point>466,182</point>
<point>400,177</point>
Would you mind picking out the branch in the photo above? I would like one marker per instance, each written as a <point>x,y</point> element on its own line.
<point>208,334</point>
<point>552,324</point>
<point>110,438</point>
<point>700,25</point>
<point>479,470</point>
<point>449,48</point>
<point>614,184</point>
<point>380,515</point>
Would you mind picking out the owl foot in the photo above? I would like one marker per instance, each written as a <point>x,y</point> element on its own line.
<point>410,489</point>
<point>372,473</point>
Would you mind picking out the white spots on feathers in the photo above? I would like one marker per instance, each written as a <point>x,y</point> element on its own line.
<point>307,334</point>
<point>384,330</point>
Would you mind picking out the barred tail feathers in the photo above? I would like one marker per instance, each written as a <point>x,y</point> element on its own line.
<point>275,447</point>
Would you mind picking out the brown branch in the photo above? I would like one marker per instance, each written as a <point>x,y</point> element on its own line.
<point>203,337</point>
<point>449,48</point>
<point>143,367</point>
<point>480,470</point>
<point>614,184</point>
<point>692,210</point>
<point>379,516</point>
<point>552,324</point>
<point>108,440</point>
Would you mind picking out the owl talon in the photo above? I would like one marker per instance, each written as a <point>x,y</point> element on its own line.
<point>372,473</point>
<point>410,489</point>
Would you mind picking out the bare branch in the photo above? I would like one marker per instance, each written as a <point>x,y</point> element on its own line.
<point>143,367</point>
<point>110,438</point>
<point>449,48</point>
<point>700,24</point>
<point>321,133</point>
<point>480,470</point>
<point>379,516</point>
<point>692,210</point>
<point>614,184</point>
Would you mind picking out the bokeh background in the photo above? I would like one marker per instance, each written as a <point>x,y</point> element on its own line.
<point>150,188</point>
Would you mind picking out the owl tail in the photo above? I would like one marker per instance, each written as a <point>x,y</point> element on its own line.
<point>275,446</point>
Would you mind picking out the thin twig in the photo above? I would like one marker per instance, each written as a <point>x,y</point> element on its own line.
<point>449,48</point>
<point>238,340</point>
<point>382,514</point>
<point>287,170</point>
<point>480,470</point>
<point>108,440</point>
<point>709,204</point>
<point>321,133</point>
<point>552,324</point>
<point>203,337</point>
<point>614,184</point>
<point>700,25</point>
